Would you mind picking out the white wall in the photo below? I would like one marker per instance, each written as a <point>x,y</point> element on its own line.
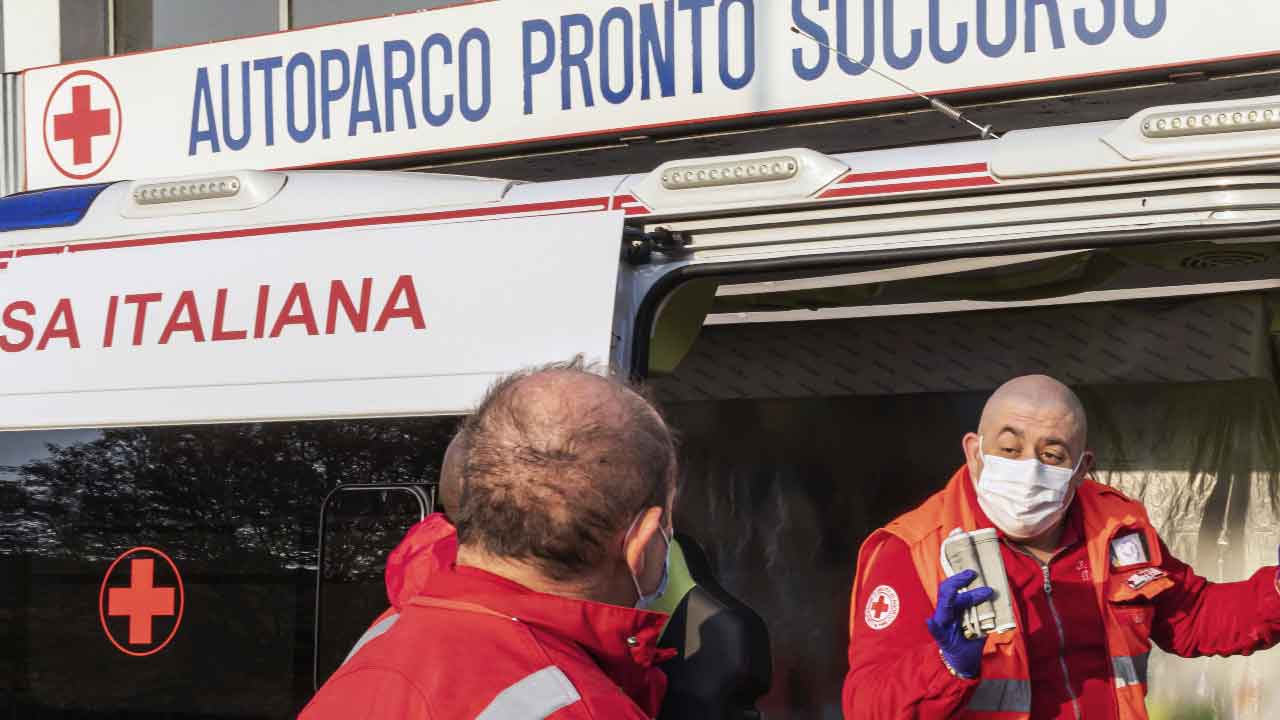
<point>31,34</point>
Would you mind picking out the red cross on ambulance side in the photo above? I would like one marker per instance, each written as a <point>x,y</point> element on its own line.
<point>150,604</point>
<point>142,601</point>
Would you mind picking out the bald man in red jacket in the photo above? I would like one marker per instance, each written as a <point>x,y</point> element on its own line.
<point>1092,584</point>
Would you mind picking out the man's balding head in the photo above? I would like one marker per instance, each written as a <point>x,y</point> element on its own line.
<point>1033,416</point>
<point>1029,418</point>
<point>560,461</point>
<point>1039,400</point>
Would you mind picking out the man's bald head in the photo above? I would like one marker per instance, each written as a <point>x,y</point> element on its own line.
<point>1029,418</point>
<point>1039,400</point>
<point>559,462</point>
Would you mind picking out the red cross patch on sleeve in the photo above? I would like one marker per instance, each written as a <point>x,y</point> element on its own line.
<point>882,608</point>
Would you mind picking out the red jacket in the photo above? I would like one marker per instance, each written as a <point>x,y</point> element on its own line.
<point>895,671</point>
<point>463,643</point>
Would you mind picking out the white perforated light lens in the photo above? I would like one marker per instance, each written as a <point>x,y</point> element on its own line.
<point>1212,122</point>
<point>782,167</point>
<point>184,190</point>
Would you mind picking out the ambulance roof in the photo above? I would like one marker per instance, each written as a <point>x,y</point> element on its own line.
<point>243,199</point>
<point>1157,142</point>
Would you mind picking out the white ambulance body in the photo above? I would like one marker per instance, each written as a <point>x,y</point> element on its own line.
<point>1144,248</point>
<point>227,385</point>
<point>273,283</point>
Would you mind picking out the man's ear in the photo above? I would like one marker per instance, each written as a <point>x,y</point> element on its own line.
<point>1088,463</point>
<point>972,446</point>
<point>635,545</point>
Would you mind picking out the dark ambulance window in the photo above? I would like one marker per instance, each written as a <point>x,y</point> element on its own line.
<point>172,571</point>
<point>359,524</point>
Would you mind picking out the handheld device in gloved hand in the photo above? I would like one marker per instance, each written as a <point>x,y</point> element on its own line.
<point>963,655</point>
<point>980,551</point>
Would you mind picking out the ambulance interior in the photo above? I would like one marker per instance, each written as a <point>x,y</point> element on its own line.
<point>815,407</point>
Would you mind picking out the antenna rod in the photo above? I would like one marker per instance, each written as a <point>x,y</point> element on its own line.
<point>984,130</point>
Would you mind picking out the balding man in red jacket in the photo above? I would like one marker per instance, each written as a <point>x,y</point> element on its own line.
<point>1092,586</point>
<point>534,608</point>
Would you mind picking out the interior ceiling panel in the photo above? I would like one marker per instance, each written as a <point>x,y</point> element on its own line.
<point>1215,338</point>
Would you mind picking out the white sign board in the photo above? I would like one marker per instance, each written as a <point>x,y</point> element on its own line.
<point>512,72</point>
<point>399,319</point>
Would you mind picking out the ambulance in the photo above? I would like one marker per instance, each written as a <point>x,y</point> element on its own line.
<point>246,295</point>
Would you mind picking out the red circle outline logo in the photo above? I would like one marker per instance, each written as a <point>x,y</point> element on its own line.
<point>102,596</point>
<point>44,127</point>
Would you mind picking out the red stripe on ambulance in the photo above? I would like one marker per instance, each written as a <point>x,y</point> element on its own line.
<point>943,177</point>
<point>629,205</point>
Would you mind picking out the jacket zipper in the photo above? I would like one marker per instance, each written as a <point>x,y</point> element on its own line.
<point>1062,640</point>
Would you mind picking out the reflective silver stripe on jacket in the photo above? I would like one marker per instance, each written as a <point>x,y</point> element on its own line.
<point>1130,670</point>
<point>378,628</point>
<point>1002,696</point>
<point>533,698</point>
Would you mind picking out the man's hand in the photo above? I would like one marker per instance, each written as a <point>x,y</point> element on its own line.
<point>963,655</point>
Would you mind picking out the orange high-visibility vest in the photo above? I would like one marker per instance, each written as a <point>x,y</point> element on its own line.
<point>1004,692</point>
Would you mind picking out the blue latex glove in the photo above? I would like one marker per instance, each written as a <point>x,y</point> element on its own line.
<point>962,654</point>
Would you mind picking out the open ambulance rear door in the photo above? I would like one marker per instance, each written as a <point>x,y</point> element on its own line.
<point>256,296</point>
<point>163,549</point>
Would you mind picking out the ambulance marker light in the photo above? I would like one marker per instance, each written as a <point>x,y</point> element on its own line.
<point>1212,122</point>
<point>773,176</point>
<point>768,169</point>
<point>231,191</point>
<point>184,190</point>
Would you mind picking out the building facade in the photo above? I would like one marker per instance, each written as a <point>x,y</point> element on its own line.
<point>44,33</point>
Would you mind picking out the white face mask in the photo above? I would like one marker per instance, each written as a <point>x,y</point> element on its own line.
<point>1024,498</point>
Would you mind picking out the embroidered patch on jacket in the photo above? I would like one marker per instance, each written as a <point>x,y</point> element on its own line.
<point>1128,550</point>
<point>882,608</point>
<point>1144,576</point>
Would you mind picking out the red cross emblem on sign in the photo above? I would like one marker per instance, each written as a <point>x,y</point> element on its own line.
<point>82,124</point>
<point>132,592</point>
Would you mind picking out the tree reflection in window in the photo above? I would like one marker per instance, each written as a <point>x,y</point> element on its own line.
<point>237,508</point>
<point>246,494</point>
